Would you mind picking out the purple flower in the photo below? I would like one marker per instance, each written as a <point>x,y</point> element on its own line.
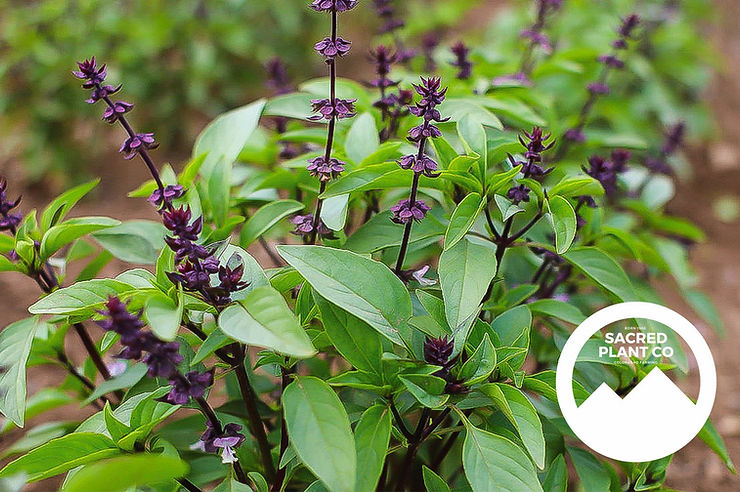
<point>191,277</point>
<point>424,165</point>
<point>112,113</point>
<point>461,60</point>
<point>324,169</point>
<point>277,76</point>
<point>606,171</point>
<point>419,276</point>
<point>337,5</point>
<point>8,221</point>
<point>612,61</point>
<point>185,248</point>
<point>134,144</point>
<point>194,384</point>
<point>598,88</point>
<point>304,226</point>
<point>673,138</point>
<point>330,49</point>
<point>535,144</point>
<point>163,359</point>
<point>383,58</point>
<point>342,108</point>
<point>386,11</point>
<point>226,441</point>
<point>90,73</point>
<point>162,198</point>
<point>177,220</point>
<point>629,24</point>
<point>404,212</point>
<point>518,194</point>
<point>120,321</point>
<point>231,278</point>
<point>575,135</point>
<point>437,351</point>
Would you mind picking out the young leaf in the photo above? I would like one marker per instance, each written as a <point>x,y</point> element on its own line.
<point>372,436</point>
<point>135,241</point>
<point>320,433</point>
<point>493,463</point>
<point>711,438</point>
<point>63,234</point>
<point>463,218</point>
<point>572,186</point>
<point>589,469</point>
<point>334,212</point>
<point>556,479</point>
<point>15,346</point>
<point>360,344</point>
<point>264,319</point>
<point>62,454</point>
<point>266,217</point>
<point>364,287</point>
<point>480,365</point>
<point>129,471</point>
<point>427,389</point>
<point>465,272</point>
<point>61,205</point>
<point>433,482</point>
<point>563,221</point>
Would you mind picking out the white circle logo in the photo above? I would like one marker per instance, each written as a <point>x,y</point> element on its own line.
<point>656,418</point>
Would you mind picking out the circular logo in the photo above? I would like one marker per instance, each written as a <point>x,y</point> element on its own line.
<point>656,418</point>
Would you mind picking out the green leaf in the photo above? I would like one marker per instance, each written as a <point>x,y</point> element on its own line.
<point>458,108</point>
<point>62,454</point>
<point>603,270</point>
<point>523,416</point>
<point>493,463</point>
<point>42,401</point>
<point>61,235</point>
<point>15,347</point>
<point>7,243</point>
<point>296,105</point>
<point>362,138</point>
<point>556,479</point>
<point>372,436</point>
<point>357,341</point>
<point>433,482</point>
<point>426,389</point>
<point>61,205</point>
<point>711,438</point>
<point>320,433</point>
<point>481,364</point>
<point>135,241</point>
<point>129,471</point>
<point>216,339</point>
<point>380,233</point>
<point>589,469</point>
<point>266,217</point>
<point>557,309</point>
<point>164,315</point>
<point>364,287</point>
<point>367,178</point>
<point>571,186</point>
<point>563,221</point>
<point>473,136</point>
<point>463,218</point>
<point>264,319</point>
<point>127,379</point>
<point>79,298</point>
<point>465,272</point>
<point>334,212</point>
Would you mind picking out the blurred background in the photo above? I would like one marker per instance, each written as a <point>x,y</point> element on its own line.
<point>185,61</point>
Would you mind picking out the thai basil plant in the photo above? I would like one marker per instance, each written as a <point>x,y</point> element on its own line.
<point>421,244</point>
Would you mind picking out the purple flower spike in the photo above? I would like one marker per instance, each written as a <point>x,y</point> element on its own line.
<point>8,221</point>
<point>404,212</point>
<point>336,5</point>
<point>132,145</point>
<point>518,194</point>
<point>437,351</point>
<point>425,165</point>
<point>342,108</point>
<point>461,60</point>
<point>162,198</point>
<point>194,384</point>
<point>324,169</point>
<point>598,88</point>
<point>304,227</point>
<point>111,114</point>
<point>90,73</point>
<point>575,135</point>
<point>330,49</point>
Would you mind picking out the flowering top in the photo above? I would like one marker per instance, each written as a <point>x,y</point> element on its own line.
<point>607,171</point>
<point>626,30</point>
<point>672,141</point>
<point>431,95</point>
<point>429,43</point>
<point>438,351</point>
<point>8,221</point>
<point>333,5</point>
<point>383,58</point>
<point>91,73</point>
<point>535,143</point>
<point>424,165</point>
<point>461,60</point>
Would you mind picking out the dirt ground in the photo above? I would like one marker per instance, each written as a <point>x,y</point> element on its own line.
<point>717,173</point>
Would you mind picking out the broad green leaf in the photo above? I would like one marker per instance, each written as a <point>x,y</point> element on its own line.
<point>603,270</point>
<point>557,309</point>
<point>500,181</point>
<point>135,241</point>
<point>320,433</point>
<point>563,222</point>
<point>711,438</point>
<point>372,436</point>
<point>427,389</point>
<point>82,297</point>
<point>362,179</point>
<point>589,469</point>
<point>463,218</point>
<point>359,343</point>
<point>556,479</point>
<point>61,205</point>
<point>364,287</point>
<point>334,212</point>
<point>216,339</point>
<point>494,464</point>
<point>481,364</point>
<point>231,484</point>
<point>164,315</point>
<point>387,151</point>
<point>62,454</point>
<point>513,108</point>
<point>6,265</point>
<point>433,482</point>
<point>264,319</point>
<point>380,233</point>
<point>42,401</point>
<point>127,379</point>
<point>296,105</point>
<point>123,472</point>
<point>458,108</point>
<point>15,347</point>
<point>266,217</point>
<point>63,234</point>
<point>571,186</point>
<point>523,416</point>
<point>362,138</point>
<point>465,272</point>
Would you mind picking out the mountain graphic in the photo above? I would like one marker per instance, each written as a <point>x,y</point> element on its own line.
<point>651,413</point>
